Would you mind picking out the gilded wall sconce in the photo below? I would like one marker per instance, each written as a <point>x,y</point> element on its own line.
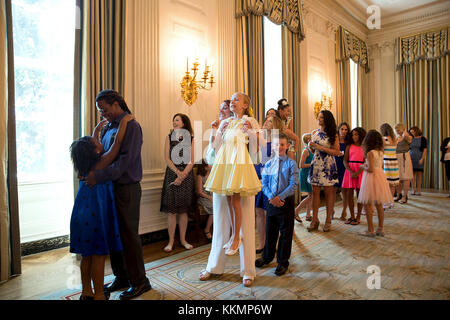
<point>190,86</point>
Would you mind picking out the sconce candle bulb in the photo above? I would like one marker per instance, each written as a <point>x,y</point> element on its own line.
<point>190,86</point>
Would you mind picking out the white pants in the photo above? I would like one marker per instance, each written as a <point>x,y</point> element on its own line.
<point>222,233</point>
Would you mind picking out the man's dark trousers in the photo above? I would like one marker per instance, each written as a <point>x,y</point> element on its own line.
<point>129,264</point>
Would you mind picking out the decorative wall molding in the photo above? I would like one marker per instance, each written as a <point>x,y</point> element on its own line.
<point>146,84</point>
<point>195,5</point>
<point>334,16</point>
<point>226,49</point>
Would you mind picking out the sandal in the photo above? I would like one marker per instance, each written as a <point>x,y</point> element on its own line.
<point>298,219</point>
<point>327,227</point>
<point>313,226</point>
<point>247,282</point>
<point>168,248</point>
<point>398,197</point>
<point>380,232</point>
<point>404,200</point>
<point>308,218</point>
<point>207,235</point>
<point>368,234</point>
<point>349,221</point>
<point>355,222</point>
<point>204,275</point>
<point>343,218</point>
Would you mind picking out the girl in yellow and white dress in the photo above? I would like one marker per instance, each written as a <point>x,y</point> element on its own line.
<point>233,173</point>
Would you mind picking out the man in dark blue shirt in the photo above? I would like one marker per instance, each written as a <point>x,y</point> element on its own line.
<point>126,173</point>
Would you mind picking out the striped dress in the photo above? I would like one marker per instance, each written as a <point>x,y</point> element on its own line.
<point>390,163</point>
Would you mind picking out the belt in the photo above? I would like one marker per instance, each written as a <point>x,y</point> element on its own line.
<point>356,161</point>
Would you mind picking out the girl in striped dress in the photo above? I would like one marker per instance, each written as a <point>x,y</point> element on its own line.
<point>390,162</point>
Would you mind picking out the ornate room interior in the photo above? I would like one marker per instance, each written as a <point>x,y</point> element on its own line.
<point>369,62</point>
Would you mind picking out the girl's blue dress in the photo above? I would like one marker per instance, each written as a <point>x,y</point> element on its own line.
<point>94,229</point>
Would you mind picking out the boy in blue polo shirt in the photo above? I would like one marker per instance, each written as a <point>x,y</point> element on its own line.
<point>279,181</point>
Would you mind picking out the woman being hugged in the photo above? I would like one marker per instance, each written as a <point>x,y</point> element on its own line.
<point>178,192</point>
<point>94,230</point>
<point>323,171</point>
<point>353,161</point>
<point>374,186</point>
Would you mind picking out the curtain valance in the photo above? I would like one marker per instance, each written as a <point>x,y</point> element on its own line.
<point>424,46</point>
<point>349,46</point>
<point>286,12</point>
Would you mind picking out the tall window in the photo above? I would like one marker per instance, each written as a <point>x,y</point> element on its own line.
<point>44,38</point>
<point>354,93</point>
<point>273,72</point>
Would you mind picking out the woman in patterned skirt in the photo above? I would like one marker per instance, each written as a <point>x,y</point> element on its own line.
<point>178,192</point>
<point>390,162</point>
<point>323,171</point>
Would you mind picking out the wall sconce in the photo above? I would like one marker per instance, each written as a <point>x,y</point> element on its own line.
<point>325,103</point>
<point>190,86</point>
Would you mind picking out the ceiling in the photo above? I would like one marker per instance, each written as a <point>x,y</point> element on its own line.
<point>389,8</point>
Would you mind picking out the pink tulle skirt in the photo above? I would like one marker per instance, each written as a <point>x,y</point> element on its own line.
<point>374,188</point>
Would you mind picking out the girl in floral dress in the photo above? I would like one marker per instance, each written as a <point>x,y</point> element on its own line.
<point>323,171</point>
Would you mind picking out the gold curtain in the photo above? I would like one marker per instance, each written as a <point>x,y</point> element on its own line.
<point>349,46</point>
<point>102,56</point>
<point>286,12</point>
<point>291,81</point>
<point>363,97</point>
<point>250,43</point>
<point>425,46</point>
<point>9,211</point>
<point>250,61</point>
<point>423,72</point>
<point>343,92</point>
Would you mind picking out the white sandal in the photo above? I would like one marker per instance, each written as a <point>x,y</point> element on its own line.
<point>204,275</point>
<point>168,248</point>
<point>247,281</point>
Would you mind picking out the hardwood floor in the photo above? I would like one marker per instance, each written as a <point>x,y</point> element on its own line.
<point>47,272</point>
<point>52,271</point>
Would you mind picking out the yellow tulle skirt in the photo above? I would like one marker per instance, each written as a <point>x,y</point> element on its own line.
<point>233,170</point>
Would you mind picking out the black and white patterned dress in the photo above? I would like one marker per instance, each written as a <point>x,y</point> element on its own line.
<point>177,199</point>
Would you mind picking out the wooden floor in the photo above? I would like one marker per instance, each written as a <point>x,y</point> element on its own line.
<point>45,273</point>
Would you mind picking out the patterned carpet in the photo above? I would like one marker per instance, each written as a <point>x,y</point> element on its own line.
<point>413,260</point>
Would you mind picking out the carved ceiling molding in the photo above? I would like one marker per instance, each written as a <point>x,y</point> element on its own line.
<point>333,14</point>
<point>318,24</point>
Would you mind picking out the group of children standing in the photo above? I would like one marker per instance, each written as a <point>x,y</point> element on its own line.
<point>368,164</point>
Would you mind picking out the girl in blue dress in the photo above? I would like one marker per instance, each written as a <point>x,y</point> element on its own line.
<point>305,186</point>
<point>343,131</point>
<point>94,230</point>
